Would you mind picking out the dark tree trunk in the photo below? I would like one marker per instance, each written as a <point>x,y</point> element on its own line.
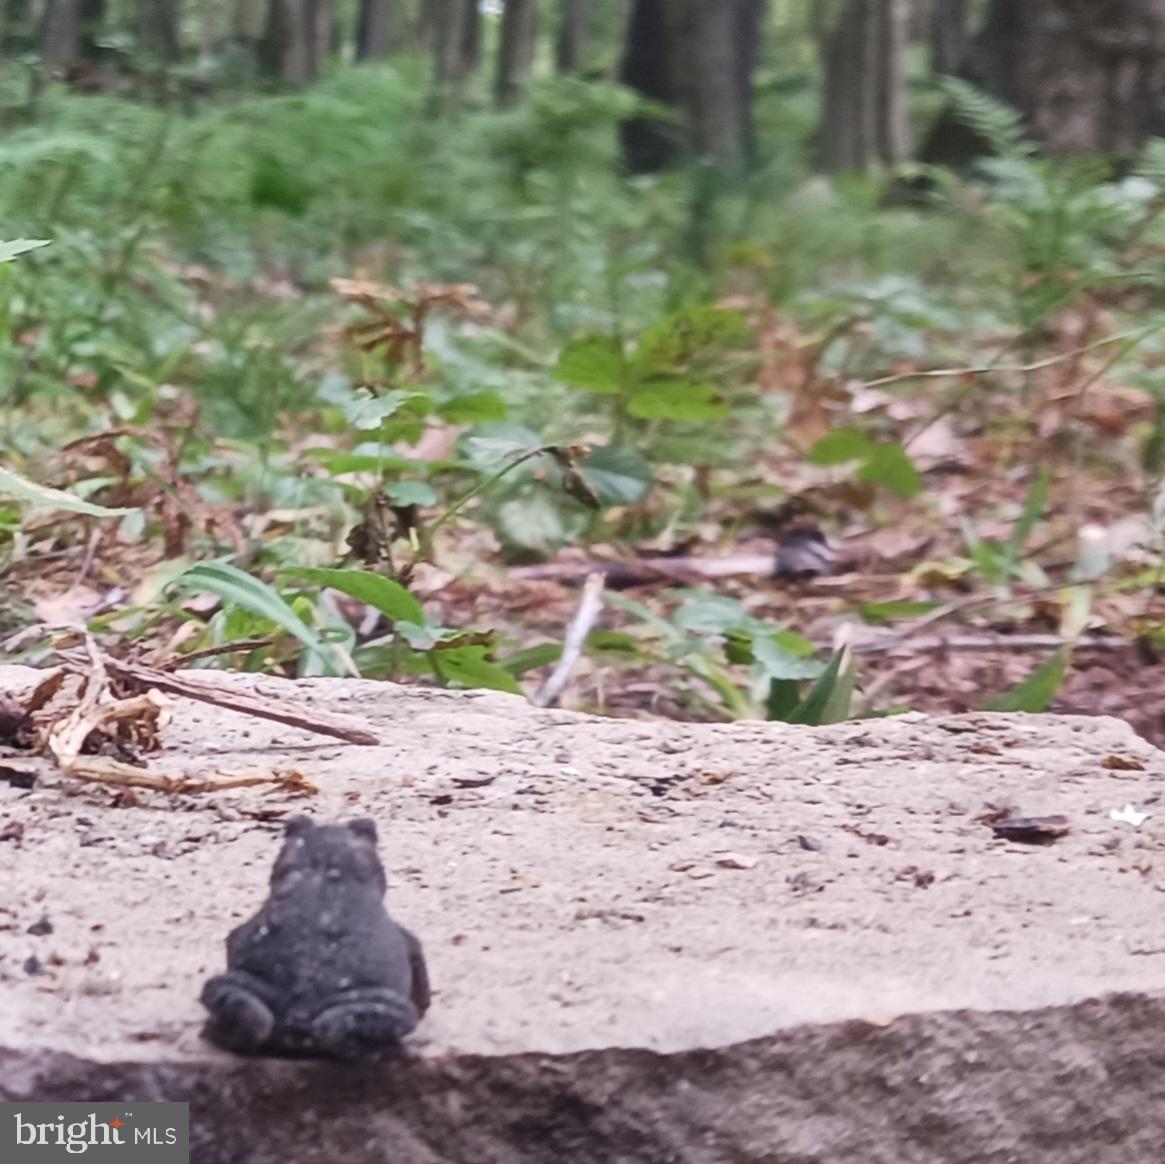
<point>705,39</point>
<point>60,34</point>
<point>445,20</point>
<point>1087,77</point>
<point>949,40</point>
<point>649,67</point>
<point>159,22</point>
<point>375,35</point>
<point>700,58</point>
<point>471,38</point>
<point>519,37</point>
<point>864,121</point>
<point>288,49</point>
<point>574,25</point>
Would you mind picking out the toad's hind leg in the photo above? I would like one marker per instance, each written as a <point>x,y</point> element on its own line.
<point>241,1019</point>
<point>362,1022</point>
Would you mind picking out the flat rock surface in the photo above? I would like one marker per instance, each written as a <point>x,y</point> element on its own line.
<point>648,941</point>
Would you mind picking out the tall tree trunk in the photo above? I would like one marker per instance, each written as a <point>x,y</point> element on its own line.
<point>1087,77</point>
<point>159,22</point>
<point>328,39</point>
<point>445,20</point>
<point>472,35</point>
<point>248,20</point>
<point>374,29</point>
<point>698,57</point>
<point>864,118</point>
<point>649,66</point>
<point>949,41</point>
<point>288,49</point>
<point>60,34</point>
<point>519,38</point>
<point>574,25</point>
<point>705,39</point>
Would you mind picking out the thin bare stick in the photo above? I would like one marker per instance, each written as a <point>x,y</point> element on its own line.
<point>991,643</point>
<point>589,606</point>
<point>286,711</point>
<point>1035,366</point>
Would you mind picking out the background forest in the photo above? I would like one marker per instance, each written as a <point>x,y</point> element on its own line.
<point>346,337</point>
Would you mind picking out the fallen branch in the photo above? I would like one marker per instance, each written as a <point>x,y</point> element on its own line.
<point>1036,365</point>
<point>286,711</point>
<point>589,606</point>
<point>990,643</point>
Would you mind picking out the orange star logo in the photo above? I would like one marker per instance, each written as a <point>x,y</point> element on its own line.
<point>115,1122</point>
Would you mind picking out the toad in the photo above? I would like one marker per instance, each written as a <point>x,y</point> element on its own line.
<point>321,969</point>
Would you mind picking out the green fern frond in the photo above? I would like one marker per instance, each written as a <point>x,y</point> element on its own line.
<point>1000,126</point>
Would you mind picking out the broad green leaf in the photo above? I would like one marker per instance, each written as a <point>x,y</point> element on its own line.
<point>337,462</point>
<point>20,246</point>
<point>381,593</point>
<point>252,594</point>
<point>532,522</point>
<point>367,411</point>
<point>672,398</point>
<point>21,488</point>
<point>890,466</point>
<point>618,475</point>
<point>469,667</point>
<point>613,642</point>
<point>1037,691</point>
<point>490,446</point>
<point>839,446</point>
<point>670,342</point>
<point>411,493</point>
<point>710,614</point>
<point>779,663</point>
<point>890,611</point>
<point>594,363</point>
<point>473,408</point>
<point>530,658</point>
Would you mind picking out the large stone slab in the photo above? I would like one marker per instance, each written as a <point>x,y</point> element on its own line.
<point>649,941</point>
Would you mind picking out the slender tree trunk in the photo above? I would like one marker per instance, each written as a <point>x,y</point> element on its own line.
<point>471,38</point>
<point>208,29</point>
<point>445,20</point>
<point>864,119</point>
<point>328,39</point>
<point>519,38</point>
<point>159,22</point>
<point>574,25</point>
<point>949,41</point>
<point>288,49</point>
<point>60,34</point>
<point>650,67</point>
<point>374,29</point>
